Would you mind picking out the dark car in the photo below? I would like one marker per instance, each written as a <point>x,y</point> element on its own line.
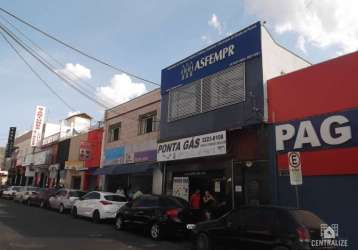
<point>260,227</point>
<point>41,197</point>
<point>161,215</point>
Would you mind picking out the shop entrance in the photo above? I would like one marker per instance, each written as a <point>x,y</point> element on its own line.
<point>76,182</point>
<point>213,181</point>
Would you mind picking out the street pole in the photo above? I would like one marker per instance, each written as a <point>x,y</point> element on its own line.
<point>297,198</point>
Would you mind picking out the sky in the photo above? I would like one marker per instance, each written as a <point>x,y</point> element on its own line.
<point>143,37</point>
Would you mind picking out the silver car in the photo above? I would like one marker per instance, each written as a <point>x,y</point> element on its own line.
<point>11,191</point>
<point>64,199</point>
<point>24,193</point>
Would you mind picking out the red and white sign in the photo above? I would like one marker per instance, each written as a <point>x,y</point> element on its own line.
<point>38,126</point>
<point>294,161</point>
<point>85,150</point>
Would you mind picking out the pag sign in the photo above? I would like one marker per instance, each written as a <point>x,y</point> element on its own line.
<point>191,147</point>
<point>232,50</point>
<point>38,126</point>
<point>294,161</point>
<point>325,131</point>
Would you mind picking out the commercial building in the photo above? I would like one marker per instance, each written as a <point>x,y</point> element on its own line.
<point>314,112</point>
<point>213,134</point>
<point>129,145</point>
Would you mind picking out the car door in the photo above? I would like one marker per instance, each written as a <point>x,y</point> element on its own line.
<point>147,210</point>
<point>92,203</point>
<point>258,228</point>
<point>81,204</point>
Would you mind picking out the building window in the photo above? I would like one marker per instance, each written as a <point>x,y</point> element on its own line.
<point>114,132</point>
<point>212,92</point>
<point>147,123</point>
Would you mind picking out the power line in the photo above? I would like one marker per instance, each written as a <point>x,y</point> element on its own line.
<point>50,68</point>
<point>36,74</point>
<point>61,64</point>
<point>76,49</point>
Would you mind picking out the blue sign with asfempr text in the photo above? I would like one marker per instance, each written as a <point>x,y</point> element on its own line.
<point>232,50</point>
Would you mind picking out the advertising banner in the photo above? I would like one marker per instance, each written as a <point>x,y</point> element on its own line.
<point>38,126</point>
<point>181,187</point>
<point>114,156</point>
<point>232,50</point>
<point>85,151</point>
<point>10,142</point>
<point>324,131</point>
<point>191,147</point>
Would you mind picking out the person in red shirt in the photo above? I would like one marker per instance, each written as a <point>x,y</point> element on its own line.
<point>195,200</point>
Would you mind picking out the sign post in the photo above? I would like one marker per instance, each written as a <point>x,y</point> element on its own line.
<point>294,161</point>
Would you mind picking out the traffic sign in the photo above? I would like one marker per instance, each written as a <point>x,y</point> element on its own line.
<point>294,161</point>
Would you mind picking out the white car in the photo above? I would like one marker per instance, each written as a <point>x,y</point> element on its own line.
<point>64,199</point>
<point>11,192</point>
<point>99,205</point>
<point>24,193</point>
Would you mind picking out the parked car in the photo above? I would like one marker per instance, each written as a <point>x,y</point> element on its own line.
<point>64,199</point>
<point>23,195</point>
<point>161,215</point>
<point>41,197</point>
<point>2,188</point>
<point>260,227</point>
<point>11,191</point>
<point>99,205</point>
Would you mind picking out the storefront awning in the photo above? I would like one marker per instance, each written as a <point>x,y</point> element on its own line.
<point>129,168</point>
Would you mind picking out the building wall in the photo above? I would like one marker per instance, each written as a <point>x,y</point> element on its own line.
<point>23,143</point>
<point>276,61</point>
<point>74,153</point>
<point>330,172</point>
<point>128,114</point>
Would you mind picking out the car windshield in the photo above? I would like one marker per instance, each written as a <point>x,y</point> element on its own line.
<point>16,188</point>
<point>77,194</point>
<point>33,189</point>
<point>307,218</point>
<point>117,198</point>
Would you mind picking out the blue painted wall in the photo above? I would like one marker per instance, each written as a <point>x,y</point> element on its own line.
<point>333,198</point>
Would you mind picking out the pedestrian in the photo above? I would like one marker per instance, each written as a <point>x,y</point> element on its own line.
<point>209,203</point>
<point>120,190</point>
<point>195,199</point>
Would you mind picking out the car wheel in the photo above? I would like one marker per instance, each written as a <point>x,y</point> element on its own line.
<point>96,217</point>
<point>203,242</point>
<point>74,212</point>
<point>61,209</point>
<point>119,224</point>
<point>155,232</point>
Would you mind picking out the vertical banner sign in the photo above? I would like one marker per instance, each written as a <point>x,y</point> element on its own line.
<point>38,126</point>
<point>294,161</point>
<point>10,142</point>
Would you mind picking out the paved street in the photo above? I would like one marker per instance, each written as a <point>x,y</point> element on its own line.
<point>23,227</point>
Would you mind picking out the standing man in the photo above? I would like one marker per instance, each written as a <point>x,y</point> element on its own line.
<point>195,199</point>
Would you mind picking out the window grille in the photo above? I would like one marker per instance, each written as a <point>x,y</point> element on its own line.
<point>218,90</point>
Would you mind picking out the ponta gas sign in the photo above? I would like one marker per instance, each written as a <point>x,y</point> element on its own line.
<point>336,130</point>
<point>190,147</point>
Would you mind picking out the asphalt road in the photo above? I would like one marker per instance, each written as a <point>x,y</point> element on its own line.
<point>23,227</point>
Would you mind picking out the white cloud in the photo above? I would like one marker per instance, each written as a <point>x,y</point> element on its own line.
<point>120,89</point>
<point>215,23</point>
<point>322,23</point>
<point>75,72</point>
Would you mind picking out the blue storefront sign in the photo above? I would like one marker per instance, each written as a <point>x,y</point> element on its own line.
<point>114,155</point>
<point>232,50</point>
<point>324,131</point>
